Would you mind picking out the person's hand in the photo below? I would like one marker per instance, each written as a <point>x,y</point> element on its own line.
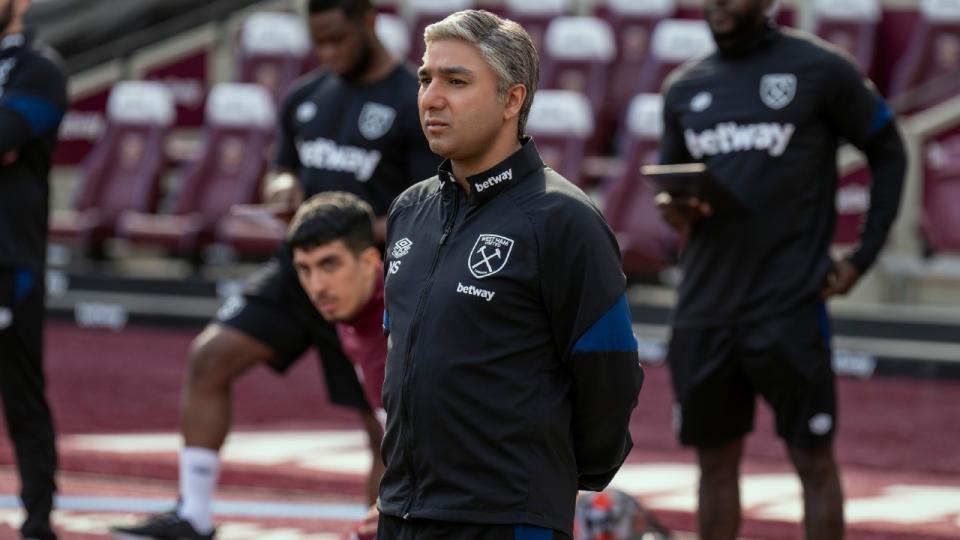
<point>9,157</point>
<point>367,529</point>
<point>283,191</point>
<point>841,278</point>
<point>682,213</point>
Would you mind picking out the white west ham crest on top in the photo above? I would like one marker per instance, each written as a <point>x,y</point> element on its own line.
<point>777,90</point>
<point>375,120</point>
<point>489,255</point>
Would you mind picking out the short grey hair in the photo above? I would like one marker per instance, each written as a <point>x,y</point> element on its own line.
<point>504,45</point>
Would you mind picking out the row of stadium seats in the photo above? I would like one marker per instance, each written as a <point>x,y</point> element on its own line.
<point>934,46</point>
<point>627,48</point>
<point>121,179</point>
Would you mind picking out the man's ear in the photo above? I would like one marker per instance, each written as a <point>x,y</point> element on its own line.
<point>513,101</point>
<point>370,256</point>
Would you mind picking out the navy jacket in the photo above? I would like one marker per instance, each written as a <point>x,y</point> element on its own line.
<point>512,367</point>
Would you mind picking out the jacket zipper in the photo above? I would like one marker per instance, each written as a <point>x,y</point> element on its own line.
<point>405,393</point>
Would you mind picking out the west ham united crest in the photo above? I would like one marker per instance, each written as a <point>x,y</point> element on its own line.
<point>375,120</point>
<point>489,255</point>
<point>778,90</point>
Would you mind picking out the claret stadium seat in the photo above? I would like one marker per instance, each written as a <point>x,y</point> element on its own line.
<point>579,52</point>
<point>275,49</point>
<point>850,25</point>
<point>394,34</point>
<point>239,126</point>
<point>934,48</point>
<point>940,220</point>
<point>633,22</point>
<point>124,169</point>
<point>535,16</point>
<point>422,13</point>
<point>648,245</point>
<point>674,42</point>
<point>561,123</point>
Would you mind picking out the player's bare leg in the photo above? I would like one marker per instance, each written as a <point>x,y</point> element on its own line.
<point>822,493</point>
<point>218,357</point>
<point>718,515</point>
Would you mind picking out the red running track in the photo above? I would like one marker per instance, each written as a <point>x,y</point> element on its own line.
<point>104,381</point>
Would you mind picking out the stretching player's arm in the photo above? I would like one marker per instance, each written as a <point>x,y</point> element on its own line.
<point>591,324</point>
<point>860,115</point>
<point>30,106</point>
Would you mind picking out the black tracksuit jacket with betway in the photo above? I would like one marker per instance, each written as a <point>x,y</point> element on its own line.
<point>512,368</point>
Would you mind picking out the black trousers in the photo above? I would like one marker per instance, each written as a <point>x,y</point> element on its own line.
<point>22,383</point>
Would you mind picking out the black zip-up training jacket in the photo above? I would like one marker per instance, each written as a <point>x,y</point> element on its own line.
<point>33,98</point>
<point>512,367</point>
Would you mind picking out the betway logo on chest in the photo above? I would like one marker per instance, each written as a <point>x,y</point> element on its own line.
<point>731,137</point>
<point>494,180</point>
<point>328,155</point>
<point>473,290</point>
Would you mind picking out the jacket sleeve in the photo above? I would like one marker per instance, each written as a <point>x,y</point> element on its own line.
<point>33,104</point>
<point>858,114</point>
<point>673,148</point>
<point>583,289</point>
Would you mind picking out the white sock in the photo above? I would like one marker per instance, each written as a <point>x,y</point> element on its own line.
<point>199,471</point>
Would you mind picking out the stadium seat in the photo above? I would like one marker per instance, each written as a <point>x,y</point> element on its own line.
<point>421,13</point>
<point>561,122</point>
<point>648,245</point>
<point>578,54</point>
<point>275,49</point>
<point>536,16</point>
<point>934,48</point>
<point>633,22</point>
<point>850,25</point>
<point>124,169</point>
<point>940,220</point>
<point>239,125</point>
<point>852,202</point>
<point>394,35</point>
<point>674,42</point>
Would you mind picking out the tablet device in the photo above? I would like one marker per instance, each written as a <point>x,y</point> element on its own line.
<point>686,180</point>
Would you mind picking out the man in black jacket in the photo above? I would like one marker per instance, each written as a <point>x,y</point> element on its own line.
<point>33,98</point>
<point>766,113</point>
<point>512,368</point>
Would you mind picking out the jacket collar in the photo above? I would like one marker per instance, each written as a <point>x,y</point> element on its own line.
<point>499,178</point>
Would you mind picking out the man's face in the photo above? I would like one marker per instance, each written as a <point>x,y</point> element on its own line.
<point>343,45</point>
<point>732,17</point>
<point>459,110</point>
<point>337,281</point>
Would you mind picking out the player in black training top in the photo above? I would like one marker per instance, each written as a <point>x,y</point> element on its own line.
<point>766,113</point>
<point>353,127</point>
<point>33,98</point>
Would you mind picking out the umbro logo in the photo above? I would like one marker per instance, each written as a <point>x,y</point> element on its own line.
<point>401,247</point>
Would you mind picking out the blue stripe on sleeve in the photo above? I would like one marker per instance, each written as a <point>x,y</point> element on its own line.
<point>386,322</point>
<point>611,333</point>
<point>824,321</point>
<point>23,282</point>
<point>529,532</point>
<point>881,117</point>
<point>40,114</point>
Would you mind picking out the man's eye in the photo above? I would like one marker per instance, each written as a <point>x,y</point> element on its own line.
<point>424,81</point>
<point>457,82</point>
